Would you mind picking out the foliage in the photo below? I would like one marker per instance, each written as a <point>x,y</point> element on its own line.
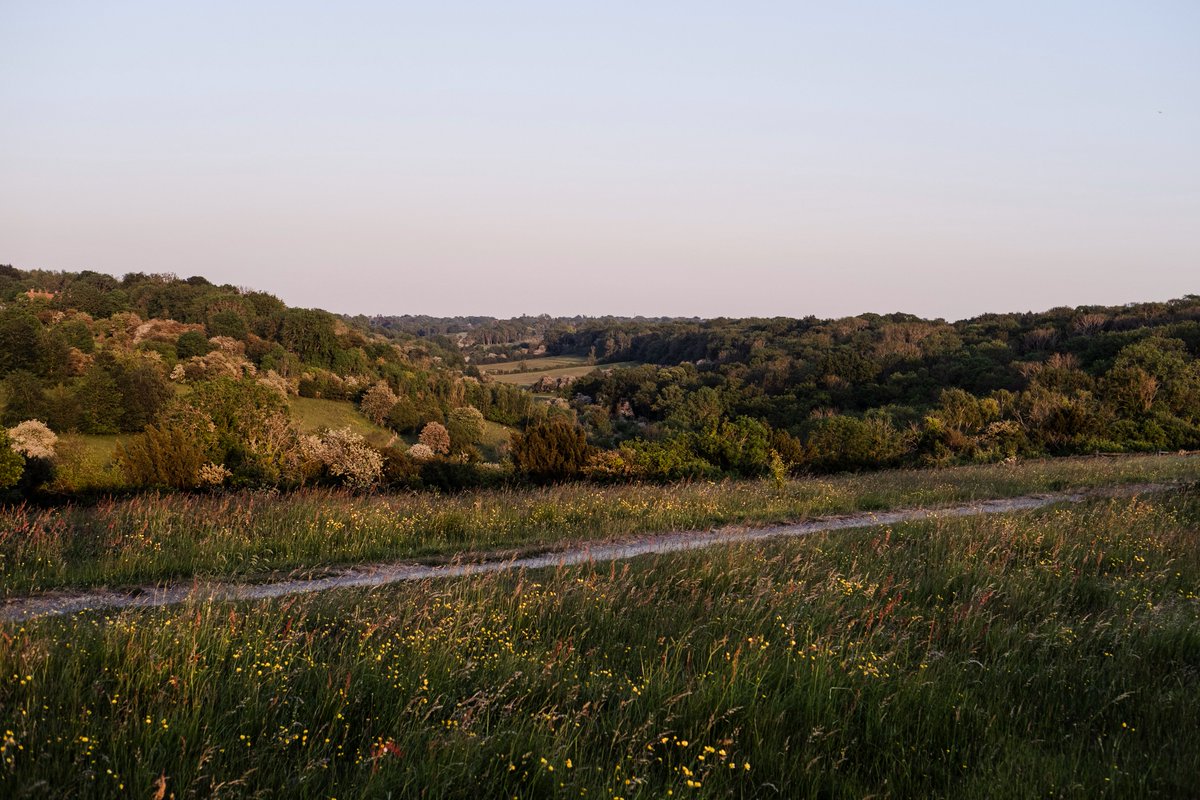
<point>310,334</point>
<point>170,454</point>
<point>192,344</point>
<point>840,442</point>
<point>255,437</point>
<point>377,402</point>
<point>435,436</point>
<point>556,449</point>
<point>33,439</point>
<point>345,457</point>
<point>465,426</point>
<point>421,452</point>
<point>12,463</point>
<point>90,353</point>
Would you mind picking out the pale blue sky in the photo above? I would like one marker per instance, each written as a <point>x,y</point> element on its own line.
<point>689,158</point>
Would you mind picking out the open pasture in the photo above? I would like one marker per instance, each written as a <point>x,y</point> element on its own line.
<point>530,371</point>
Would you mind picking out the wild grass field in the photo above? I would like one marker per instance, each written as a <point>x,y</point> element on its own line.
<point>1042,654</point>
<point>495,442</point>
<point>155,537</point>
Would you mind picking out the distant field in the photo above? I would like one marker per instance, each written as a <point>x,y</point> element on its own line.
<point>529,372</point>
<point>534,364</point>
<point>312,414</point>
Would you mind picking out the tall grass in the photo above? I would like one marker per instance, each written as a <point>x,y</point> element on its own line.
<point>1044,654</point>
<point>159,537</point>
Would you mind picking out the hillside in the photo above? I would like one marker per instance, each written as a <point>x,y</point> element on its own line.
<point>210,385</point>
<point>150,380</point>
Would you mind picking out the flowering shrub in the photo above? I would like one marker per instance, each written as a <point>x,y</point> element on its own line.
<point>33,439</point>
<point>345,456</point>
<point>378,401</point>
<point>212,475</point>
<point>421,452</point>
<point>436,438</point>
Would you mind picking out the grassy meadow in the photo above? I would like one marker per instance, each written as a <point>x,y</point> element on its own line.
<point>529,371</point>
<point>88,462</point>
<point>540,364</point>
<point>1041,654</point>
<point>156,537</point>
<point>311,414</point>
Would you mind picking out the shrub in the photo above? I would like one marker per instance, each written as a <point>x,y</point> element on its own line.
<point>556,449</point>
<point>421,452</point>
<point>668,460</point>
<point>465,426</point>
<point>255,436</point>
<point>611,466</point>
<point>377,402</point>
<point>841,442</point>
<point>741,446</point>
<point>435,436</point>
<point>409,415</point>
<point>452,475</point>
<point>33,439</point>
<point>192,343</point>
<point>345,457</point>
<point>12,463</point>
<point>168,455</point>
<point>400,468</point>
<point>212,475</point>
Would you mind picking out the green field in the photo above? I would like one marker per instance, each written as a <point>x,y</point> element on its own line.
<point>534,364</point>
<point>171,536</point>
<point>88,462</point>
<point>313,414</point>
<point>1045,654</point>
<point>495,442</point>
<point>530,371</point>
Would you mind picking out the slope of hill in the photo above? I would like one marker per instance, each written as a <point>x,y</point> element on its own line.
<point>218,385</point>
<point>208,385</point>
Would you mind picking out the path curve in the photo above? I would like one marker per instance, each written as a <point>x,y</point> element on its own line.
<point>21,609</point>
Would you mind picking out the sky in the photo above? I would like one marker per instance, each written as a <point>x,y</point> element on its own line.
<point>655,158</point>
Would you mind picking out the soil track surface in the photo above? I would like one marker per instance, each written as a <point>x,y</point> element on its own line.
<point>20,609</point>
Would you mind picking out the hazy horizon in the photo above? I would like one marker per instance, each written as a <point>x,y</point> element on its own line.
<point>674,160</point>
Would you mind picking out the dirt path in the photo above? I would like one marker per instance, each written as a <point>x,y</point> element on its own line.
<point>21,609</point>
